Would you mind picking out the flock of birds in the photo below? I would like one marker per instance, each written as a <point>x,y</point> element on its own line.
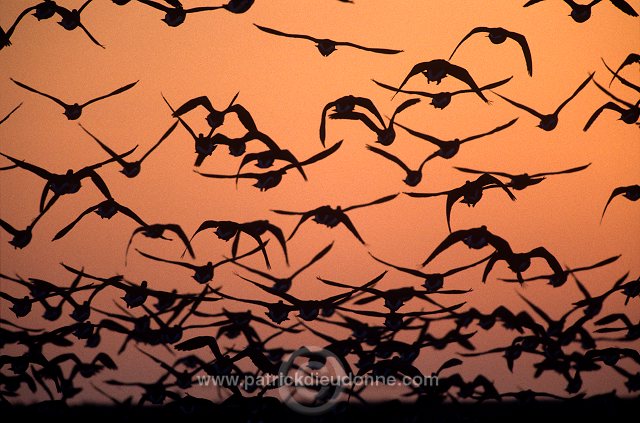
<point>565,346</point>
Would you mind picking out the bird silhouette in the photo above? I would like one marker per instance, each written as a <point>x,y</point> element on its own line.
<point>471,193</point>
<point>203,274</point>
<point>386,134</point>
<point>216,118</point>
<point>106,210</point>
<point>157,230</point>
<point>499,36</point>
<point>332,217</point>
<point>433,282</point>
<point>66,183</point>
<point>327,46</point>
<point>413,177</point>
<point>523,180</point>
<point>175,13</point>
<point>271,179</point>
<point>131,169</point>
<point>70,20</point>
<point>283,284</point>
<point>226,229</point>
<point>550,121</point>
<point>628,115</point>
<point>520,262</point>
<point>581,13</point>
<point>442,99</point>
<point>619,78</point>
<point>346,104</point>
<point>22,237</point>
<point>438,69</point>
<point>449,148</point>
<point>631,193</point>
<point>74,111</point>
<point>5,36</point>
<point>557,280</point>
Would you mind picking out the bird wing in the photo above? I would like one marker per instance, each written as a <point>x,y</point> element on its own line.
<point>10,113</point>
<point>521,106</point>
<point>33,90</point>
<point>575,93</point>
<point>572,170</point>
<point>389,156</point>
<point>371,203</point>
<point>70,226</point>
<point>116,92</point>
<point>285,34</point>
<point>192,104</point>
<point>164,136</point>
<point>463,75</point>
<point>522,40</point>
<point>615,193</point>
<point>493,131</point>
<point>473,31</point>
<point>371,49</point>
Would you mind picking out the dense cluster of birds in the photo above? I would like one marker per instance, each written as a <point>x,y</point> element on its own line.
<point>567,346</point>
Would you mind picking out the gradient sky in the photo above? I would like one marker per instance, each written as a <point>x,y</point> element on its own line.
<point>285,84</point>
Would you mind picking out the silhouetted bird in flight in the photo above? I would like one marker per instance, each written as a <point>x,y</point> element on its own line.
<point>21,238</point>
<point>592,305</point>
<point>628,114</point>
<point>106,210</point>
<point>327,46</point>
<point>633,330</point>
<point>631,193</point>
<point>524,180</point>
<point>156,231</point>
<point>520,262</point>
<point>226,229</point>
<point>203,274</point>
<point>73,111</point>
<point>131,169</point>
<point>433,282</point>
<point>449,148</point>
<point>332,217</point>
<point>413,177</point>
<point>265,159</point>
<point>385,133</point>
<point>442,99</point>
<point>436,70</point>
<point>471,192</point>
<point>272,178</point>
<point>474,238</point>
<point>346,104</point>
<point>499,36</point>
<point>559,279</point>
<point>175,13</point>
<point>216,118</point>
<point>10,113</point>
<point>283,284</point>
<point>550,121</point>
<point>5,36</point>
<point>69,182</point>
<point>70,20</point>
<point>582,12</point>
<point>629,60</point>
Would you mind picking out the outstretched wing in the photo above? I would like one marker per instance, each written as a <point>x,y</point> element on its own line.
<point>473,31</point>
<point>33,90</point>
<point>116,92</point>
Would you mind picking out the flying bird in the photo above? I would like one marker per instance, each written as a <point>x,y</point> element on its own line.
<point>550,121</point>
<point>346,104</point>
<point>272,178</point>
<point>131,169</point>
<point>216,118</point>
<point>631,193</point>
<point>226,229</point>
<point>327,46</point>
<point>332,217</point>
<point>70,20</point>
<point>499,36</point>
<point>106,210</point>
<point>449,148</point>
<point>471,192</point>
<point>581,13</point>
<point>413,177</point>
<point>628,114</point>
<point>385,133</point>
<point>74,111</point>
<point>5,36</point>
<point>442,99</point>
<point>156,231</point>
<point>438,69</point>
<point>175,13</point>
<point>523,180</point>
<point>69,182</point>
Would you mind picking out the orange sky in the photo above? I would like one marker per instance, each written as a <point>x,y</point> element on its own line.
<point>285,84</point>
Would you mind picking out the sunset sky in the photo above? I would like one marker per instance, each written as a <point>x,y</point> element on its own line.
<point>285,84</point>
